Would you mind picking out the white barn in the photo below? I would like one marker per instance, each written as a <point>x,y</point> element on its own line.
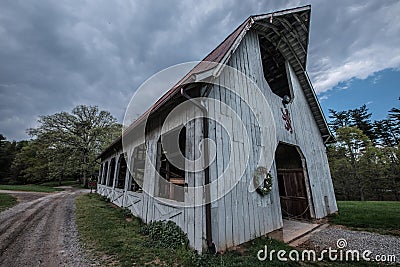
<point>271,50</point>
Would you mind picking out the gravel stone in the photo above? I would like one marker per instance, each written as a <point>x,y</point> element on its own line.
<point>356,240</point>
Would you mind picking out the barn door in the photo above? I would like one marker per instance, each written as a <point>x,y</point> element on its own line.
<point>295,203</point>
<point>293,194</point>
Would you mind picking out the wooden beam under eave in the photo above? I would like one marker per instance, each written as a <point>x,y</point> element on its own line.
<point>301,23</point>
<point>292,31</point>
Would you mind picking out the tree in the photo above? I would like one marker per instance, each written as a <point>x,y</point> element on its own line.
<point>361,169</point>
<point>30,164</point>
<point>394,122</point>
<point>6,157</point>
<point>341,171</point>
<point>361,118</point>
<point>391,171</point>
<point>8,152</point>
<point>339,119</point>
<point>353,143</point>
<point>385,133</point>
<point>358,117</point>
<point>78,136</point>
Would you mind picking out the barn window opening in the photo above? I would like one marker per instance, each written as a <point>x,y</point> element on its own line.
<point>110,179</point>
<point>100,173</point>
<point>275,69</point>
<point>121,172</point>
<point>105,173</point>
<point>173,182</point>
<point>137,170</point>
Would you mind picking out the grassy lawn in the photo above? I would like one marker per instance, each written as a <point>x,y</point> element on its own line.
<point>104,230</point>
<point>376,216</point>
<point>34,188</point>
<point>63,183</point>
<point>7,201</point>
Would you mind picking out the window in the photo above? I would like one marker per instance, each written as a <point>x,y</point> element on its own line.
<point>100,173</point>
<point>105,173</point>
<point>111,175</point>
<point>137,170</point>
<point>121,172</point>
<point>173,182</point>
<point>275,68</point>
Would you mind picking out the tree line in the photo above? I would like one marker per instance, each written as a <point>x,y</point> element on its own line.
<point>364,160</point>
<point>63,146</point>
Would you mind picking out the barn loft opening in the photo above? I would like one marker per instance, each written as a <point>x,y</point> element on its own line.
<point>137,169</point>
<point>291,182</point>
<point>173,182</point>
<point>274,68</point>
<point>110,179</point>
<point>121,172</point>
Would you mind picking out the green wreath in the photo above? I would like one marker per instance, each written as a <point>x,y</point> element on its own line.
<point>263,187</point>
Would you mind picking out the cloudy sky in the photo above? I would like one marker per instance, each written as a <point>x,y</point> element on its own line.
<point>55,55</point>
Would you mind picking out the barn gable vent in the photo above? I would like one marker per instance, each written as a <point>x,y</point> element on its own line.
<point>275,68</point>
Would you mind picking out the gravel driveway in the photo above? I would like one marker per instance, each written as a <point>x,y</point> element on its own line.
<point>355,240</point>
<point>41,232</point>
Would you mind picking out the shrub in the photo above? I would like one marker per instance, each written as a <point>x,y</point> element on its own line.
<point>127,213</point>
<point>165,235</point>
<point>104,198</point>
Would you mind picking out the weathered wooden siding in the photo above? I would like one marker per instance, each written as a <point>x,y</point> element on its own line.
<point>241,215</point>
<point>150,208</point>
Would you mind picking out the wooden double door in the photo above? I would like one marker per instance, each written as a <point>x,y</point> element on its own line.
<point>293,194</point>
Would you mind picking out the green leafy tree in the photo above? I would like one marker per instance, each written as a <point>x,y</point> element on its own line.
<point>365,160</point>
<point>341,171</point>
<point>78,136</point>
<point>8,152</point>
<point>391,160</point>
<point>30,164</point>
<point>353,143</point>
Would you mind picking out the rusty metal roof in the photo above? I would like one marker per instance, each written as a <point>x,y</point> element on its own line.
<point>288,29</point>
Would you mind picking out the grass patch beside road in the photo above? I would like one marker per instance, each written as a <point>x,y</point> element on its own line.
<point>105,229</point>
<point>7,201</point>
<point>33,188</point>
<point>374,216</point>
<point>63,183</point>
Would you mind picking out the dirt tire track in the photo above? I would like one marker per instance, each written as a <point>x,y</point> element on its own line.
<point>20,222</point>
<point>42,232</point>
<point>20,215</point>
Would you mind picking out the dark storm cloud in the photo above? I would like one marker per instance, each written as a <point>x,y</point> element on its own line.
<point>57,54</point>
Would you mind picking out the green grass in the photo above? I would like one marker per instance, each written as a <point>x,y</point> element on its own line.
<point>7,201</point>
<point>104,230</point>
<point>34,188</point>
<point>375,216</point>
<point>63,183</point>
